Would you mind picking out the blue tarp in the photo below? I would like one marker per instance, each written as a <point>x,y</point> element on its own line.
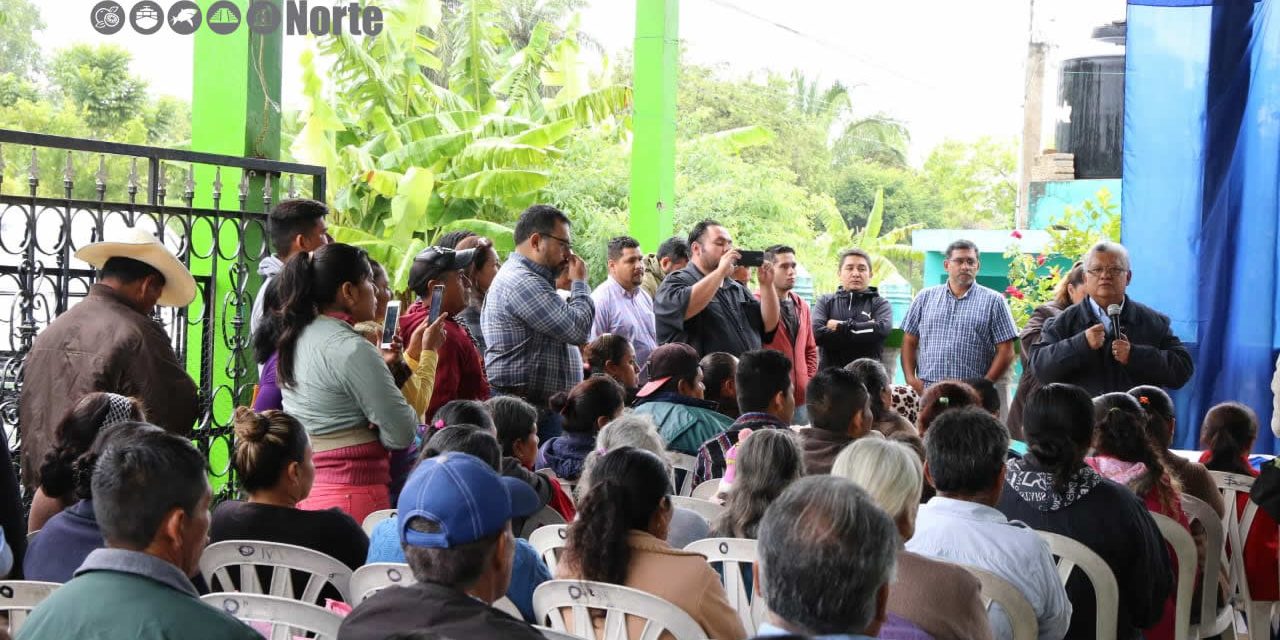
<point>1202,192</point>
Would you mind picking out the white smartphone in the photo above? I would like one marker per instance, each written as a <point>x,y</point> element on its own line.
<point>389,324</point>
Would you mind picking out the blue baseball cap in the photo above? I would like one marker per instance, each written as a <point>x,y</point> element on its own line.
<point>464,497</point>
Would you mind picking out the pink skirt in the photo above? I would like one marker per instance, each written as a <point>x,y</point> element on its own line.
<point>353,479</point>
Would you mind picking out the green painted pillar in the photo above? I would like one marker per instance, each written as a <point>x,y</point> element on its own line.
<point>235,98</point>
<point>653,146</point>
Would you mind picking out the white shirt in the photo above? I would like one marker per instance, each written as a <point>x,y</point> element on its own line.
<point>968,533</point>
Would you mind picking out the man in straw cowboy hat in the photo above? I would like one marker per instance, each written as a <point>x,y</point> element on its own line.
<point>108,342</point>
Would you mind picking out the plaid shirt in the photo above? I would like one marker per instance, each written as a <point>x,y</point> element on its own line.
<point>958,336</point>
<point>531,335</point>
<point>711,455</point>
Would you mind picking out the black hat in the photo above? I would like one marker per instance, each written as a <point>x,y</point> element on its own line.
<point>434,262</point>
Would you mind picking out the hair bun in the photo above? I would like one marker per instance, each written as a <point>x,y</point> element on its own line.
<point>250,426</point>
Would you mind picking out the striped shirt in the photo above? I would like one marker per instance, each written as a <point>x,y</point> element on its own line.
<point>628,314</point>
<point>958,336</point>
<point>531,335</point>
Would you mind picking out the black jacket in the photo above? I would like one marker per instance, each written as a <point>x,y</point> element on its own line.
<point>862,310</point>
<point>732,322</point>
<point>1110,520</point>
<point>1156,356</point>
<point>431,607</point>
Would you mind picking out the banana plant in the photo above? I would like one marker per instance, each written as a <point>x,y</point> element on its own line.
<point>416,147</point>
<point>883,248</point>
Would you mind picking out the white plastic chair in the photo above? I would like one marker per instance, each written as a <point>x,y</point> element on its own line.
<point>686,463</point>
<point>282,560</point>
<point>1238,526</point>
<point>375,577</point>
<point>1184,549</point>
<point>1214,620</point>
<point>19,597</point>
<point>581,597</point>
<point>550,541</point>
<point>709,511</point>
<point>731,555</point>
<point>1016,607</point>
<point>372,520</point>
<point>1072,554</point>
<point>545,516</point>
<point>286,616</point>
<point>707,490</point>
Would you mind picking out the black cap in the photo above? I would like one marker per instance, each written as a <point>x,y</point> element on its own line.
<point>434,262</point>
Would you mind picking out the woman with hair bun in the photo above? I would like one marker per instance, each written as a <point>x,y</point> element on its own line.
<point>73,436</point>
<point>586,408</point>
<point>272,460</point>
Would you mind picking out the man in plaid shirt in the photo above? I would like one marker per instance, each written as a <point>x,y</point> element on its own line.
<point>532,335</point>
<point>957,330</point>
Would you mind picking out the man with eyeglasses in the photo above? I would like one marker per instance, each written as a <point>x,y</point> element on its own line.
<point>1082,345</point>
<point>854,321</point>
<point>959,329</point>
<point>703,307</point>
<point>459,367</point>
<point>532,334</point>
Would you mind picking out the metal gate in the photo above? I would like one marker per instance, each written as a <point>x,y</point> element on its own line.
<point>58,194</point>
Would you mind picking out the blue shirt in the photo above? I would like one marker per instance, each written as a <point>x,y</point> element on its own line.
<point>527,571</point>
<point>1102,313</point>
<point>628,314</point>
<point>767,629</point>
<point>958,336</point>
<point>531,335</point>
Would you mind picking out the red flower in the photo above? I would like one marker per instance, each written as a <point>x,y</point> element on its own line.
<point>1014,292</point>
<point>1040,260</point>
<point>1017,234</point>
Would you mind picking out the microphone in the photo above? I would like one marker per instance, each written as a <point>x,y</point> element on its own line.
<point>1113,312</point>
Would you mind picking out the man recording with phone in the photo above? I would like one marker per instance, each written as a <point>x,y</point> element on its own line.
<point>703,307</point>
<point>1108,342</point>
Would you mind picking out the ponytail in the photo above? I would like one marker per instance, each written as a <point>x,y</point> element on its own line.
<point>308,284</point>
<point>1228,432</point>
<point>1120,430</point>
<point>1058,425</point>
<point>632,487</point>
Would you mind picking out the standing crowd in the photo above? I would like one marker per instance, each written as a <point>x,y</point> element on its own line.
<point>869,501</point>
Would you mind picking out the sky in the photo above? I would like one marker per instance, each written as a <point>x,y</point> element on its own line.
<point>947,68</point>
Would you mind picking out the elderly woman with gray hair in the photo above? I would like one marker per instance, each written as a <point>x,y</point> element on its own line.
<point>938,598</point>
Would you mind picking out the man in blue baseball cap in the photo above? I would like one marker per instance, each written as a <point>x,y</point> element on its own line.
<point>455,526</point>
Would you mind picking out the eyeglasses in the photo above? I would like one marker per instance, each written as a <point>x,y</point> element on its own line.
<point>568,245</point>
<point>1112,272</point>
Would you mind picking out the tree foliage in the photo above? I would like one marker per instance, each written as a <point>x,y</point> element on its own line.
<point>19,23</point>
<point>416,146</point>
<point>976,182</point>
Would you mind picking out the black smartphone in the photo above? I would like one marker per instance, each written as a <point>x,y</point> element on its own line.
<point>751,258</point>
<point>389,324</point>
<point>437,294</point>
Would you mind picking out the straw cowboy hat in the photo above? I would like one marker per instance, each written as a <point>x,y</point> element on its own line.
<point>137,244</point>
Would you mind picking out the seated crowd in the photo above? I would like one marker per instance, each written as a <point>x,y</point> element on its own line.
<point>874,507</point>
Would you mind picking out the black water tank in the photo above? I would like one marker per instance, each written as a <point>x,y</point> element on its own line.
<point>1094,89</point>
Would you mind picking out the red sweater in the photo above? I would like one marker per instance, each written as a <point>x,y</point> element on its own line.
<point>804,355</point>
<point>459,369</point>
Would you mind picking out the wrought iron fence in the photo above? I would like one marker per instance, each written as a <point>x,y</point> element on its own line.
<point>47,212</point>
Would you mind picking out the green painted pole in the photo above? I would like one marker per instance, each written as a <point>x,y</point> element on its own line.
<point>235,98</point>
<point>653,145</point>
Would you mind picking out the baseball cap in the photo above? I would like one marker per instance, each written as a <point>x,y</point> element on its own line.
<point>673,360</point>
<point>464,497</point>
<point>433,262</point>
